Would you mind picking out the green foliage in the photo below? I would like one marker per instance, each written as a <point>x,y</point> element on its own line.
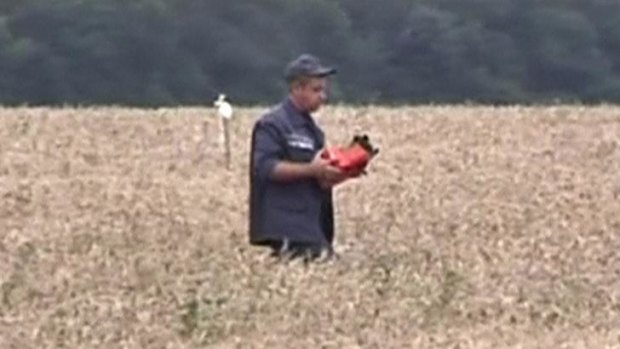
<point>156,52</point>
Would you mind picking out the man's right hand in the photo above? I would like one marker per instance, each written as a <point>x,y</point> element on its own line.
<point>327,174</point>
<point>320,169</point>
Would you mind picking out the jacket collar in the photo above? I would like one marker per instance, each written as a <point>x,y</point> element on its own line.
<point>295,115</point>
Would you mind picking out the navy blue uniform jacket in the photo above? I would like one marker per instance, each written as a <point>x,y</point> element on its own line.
<point>300,210</point>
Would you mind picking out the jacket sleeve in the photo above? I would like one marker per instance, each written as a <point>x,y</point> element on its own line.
<point>267,149</point>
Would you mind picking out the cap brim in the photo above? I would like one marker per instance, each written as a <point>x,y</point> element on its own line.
<point>319,73</point>
<point>326,71</point>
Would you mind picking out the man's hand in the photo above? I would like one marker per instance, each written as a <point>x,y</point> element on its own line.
<point>327,174</point>
<point>319,168</point>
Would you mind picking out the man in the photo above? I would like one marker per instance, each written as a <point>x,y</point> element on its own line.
<point>291,207</point>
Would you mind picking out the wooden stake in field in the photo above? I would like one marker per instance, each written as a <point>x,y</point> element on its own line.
<point>225,113</point>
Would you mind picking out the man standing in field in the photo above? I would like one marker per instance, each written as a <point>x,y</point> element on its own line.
<point>291,209</point>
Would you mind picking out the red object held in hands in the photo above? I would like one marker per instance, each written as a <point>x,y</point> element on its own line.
<point>353,158</point>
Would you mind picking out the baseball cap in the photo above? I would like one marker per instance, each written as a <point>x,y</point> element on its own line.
<point>307,65</point>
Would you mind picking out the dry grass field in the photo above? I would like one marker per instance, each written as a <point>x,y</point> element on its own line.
<point>477,227</point>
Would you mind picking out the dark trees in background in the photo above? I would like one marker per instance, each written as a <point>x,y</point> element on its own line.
<point>156,52</point>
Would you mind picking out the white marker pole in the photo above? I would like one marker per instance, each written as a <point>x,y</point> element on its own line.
<point>225,113</point>
<point>227,141</point>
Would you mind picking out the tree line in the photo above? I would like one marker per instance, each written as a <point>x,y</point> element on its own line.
<point>171,52</point>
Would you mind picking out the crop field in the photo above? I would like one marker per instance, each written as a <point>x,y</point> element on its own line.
<point>476,227</point>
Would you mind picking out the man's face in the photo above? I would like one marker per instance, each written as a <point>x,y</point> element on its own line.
<point>310,94</point>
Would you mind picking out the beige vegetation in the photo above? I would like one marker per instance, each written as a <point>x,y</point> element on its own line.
<point>477,227</point>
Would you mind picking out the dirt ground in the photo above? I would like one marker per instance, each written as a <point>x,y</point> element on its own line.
<point>476,227</point>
